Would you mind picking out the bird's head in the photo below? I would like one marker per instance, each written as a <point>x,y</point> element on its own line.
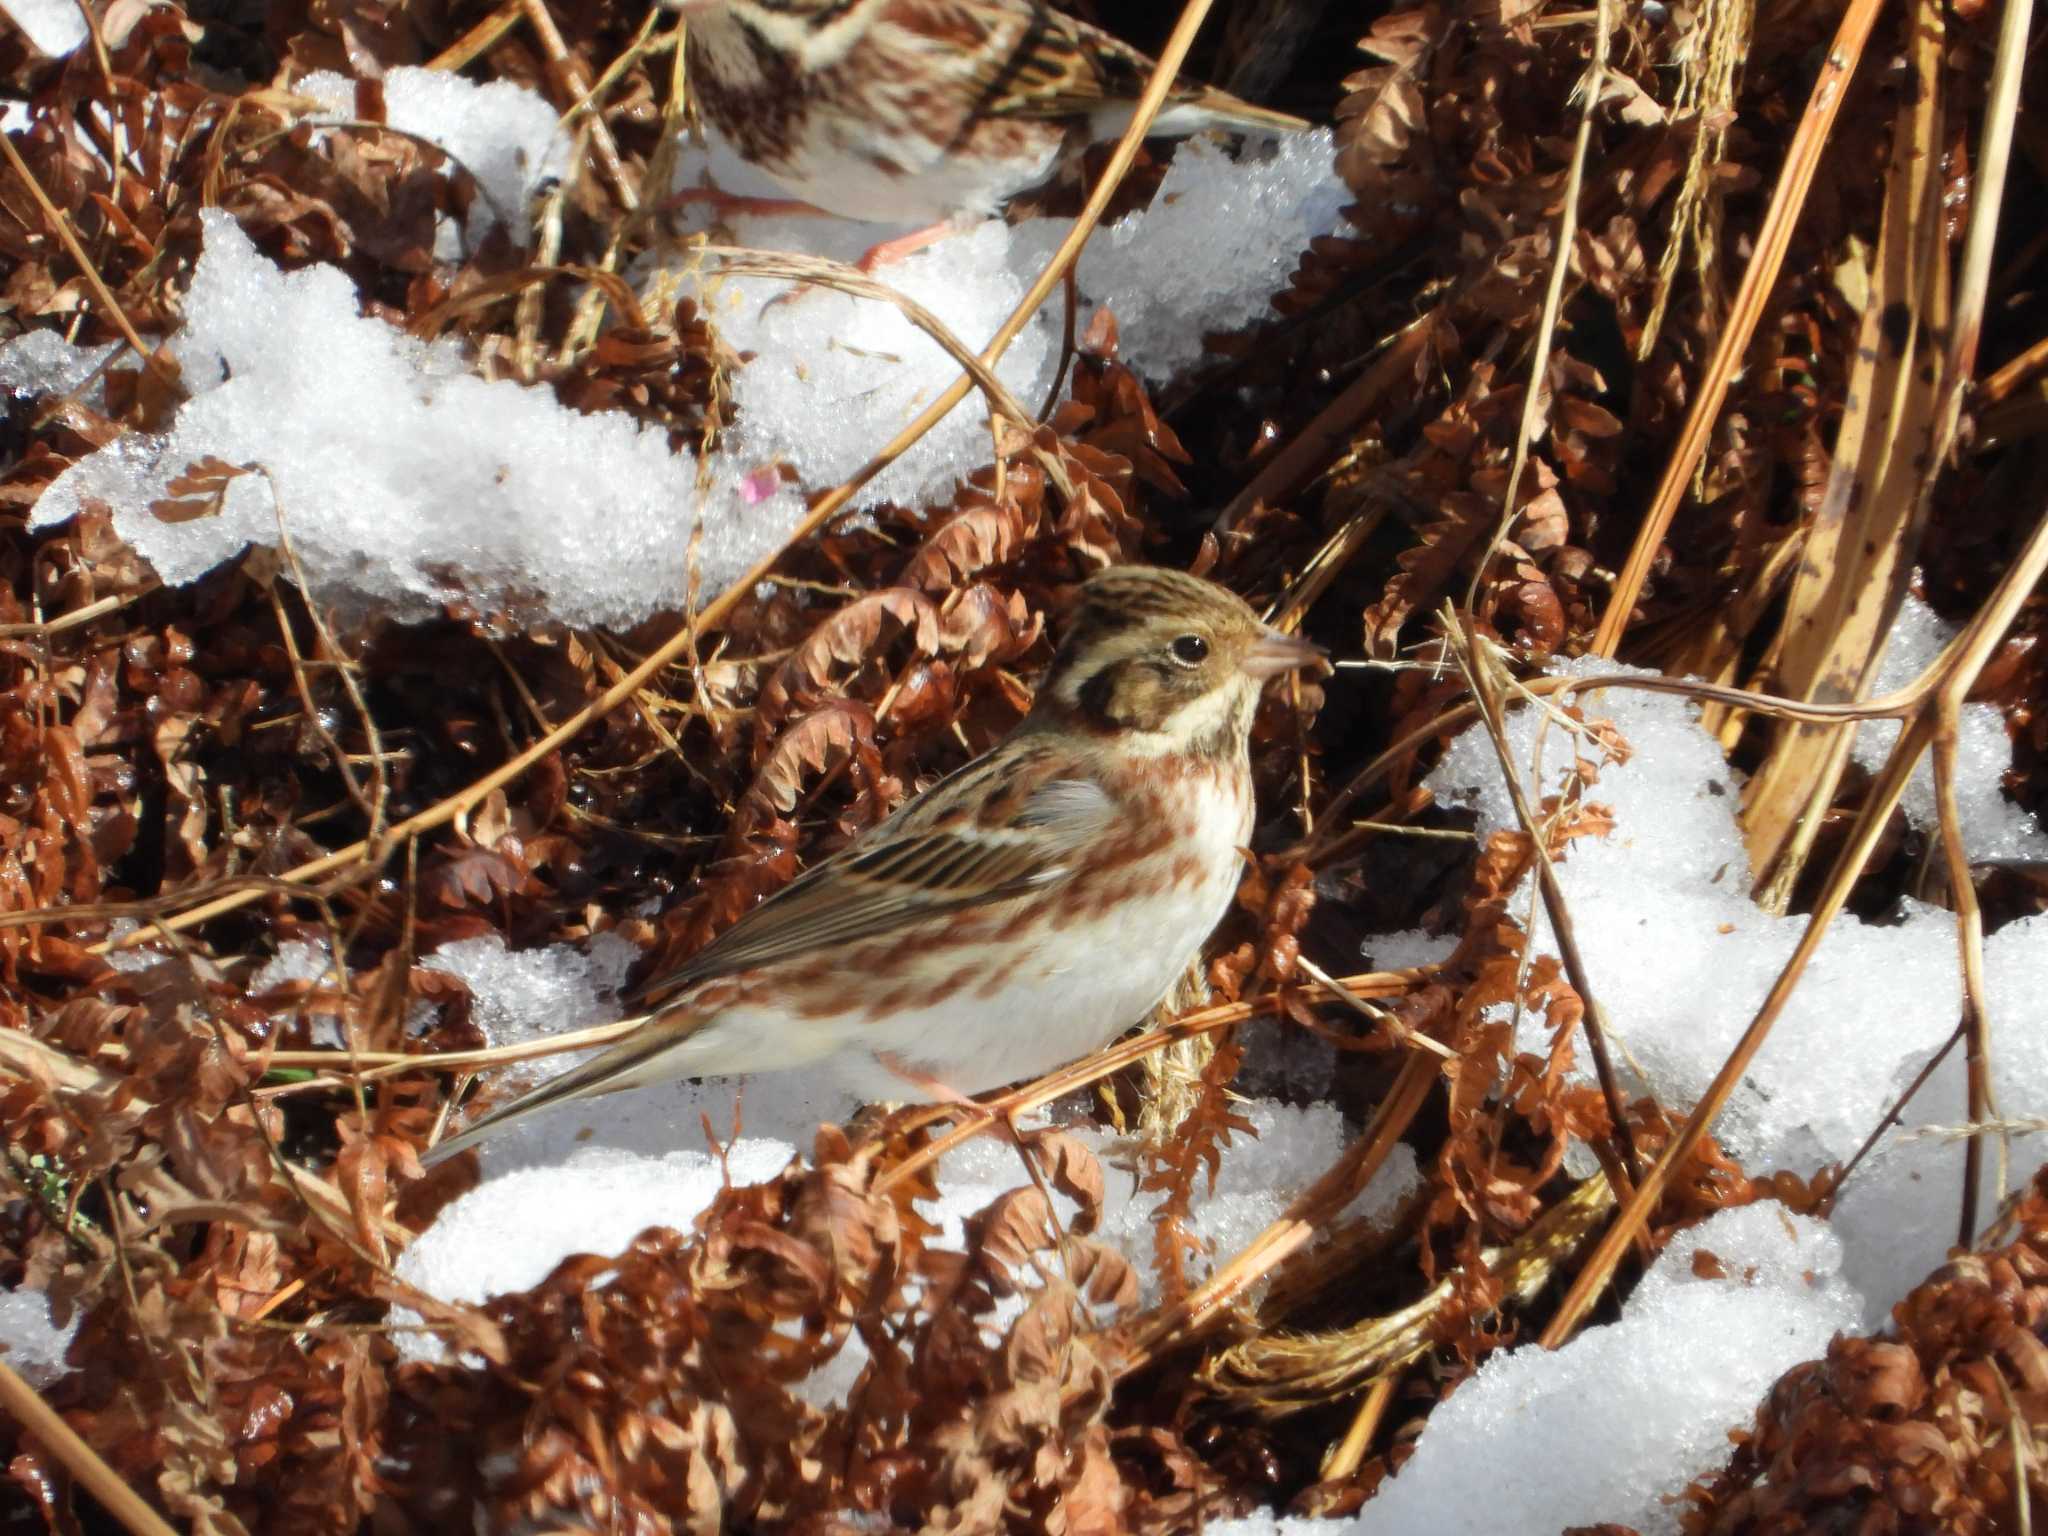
<point>1169,661</point>
<point>815,30</point>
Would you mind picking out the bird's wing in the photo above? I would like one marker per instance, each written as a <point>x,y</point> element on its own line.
<point>1040,63</point>
<point>998,828</point>
<point>974,846</point>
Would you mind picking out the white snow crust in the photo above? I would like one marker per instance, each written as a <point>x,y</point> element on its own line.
<point>53,27</point>
<point>1612,1426</point>
<point>406,481</point>
<point>504,135</point>
<point>1680,958</point>
<point>29,1341</point>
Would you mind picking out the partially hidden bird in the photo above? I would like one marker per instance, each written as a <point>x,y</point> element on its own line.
<point>1020,913</point>
<point>925,111</point>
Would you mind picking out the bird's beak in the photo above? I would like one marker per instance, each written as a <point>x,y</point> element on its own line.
<point>1274,652</point>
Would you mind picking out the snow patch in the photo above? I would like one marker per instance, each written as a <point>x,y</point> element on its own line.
<point>53,27</point>
<point>1612,1427</point>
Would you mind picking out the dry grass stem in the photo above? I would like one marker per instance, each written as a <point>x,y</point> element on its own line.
<point>1536,394</point>
<point>1180,1321</point>
<point>1802,160</point>
<point>1278,1374</point>
<point>1860,550</point>
<point>1113,1058</point>
<point>479,39</point>
<point>60,226</point>
<point>569,78</point>
<point>27,1408</point>
<point>1345,1456</point>
<point>1312,448</point>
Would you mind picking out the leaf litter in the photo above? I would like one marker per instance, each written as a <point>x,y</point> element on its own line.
<point>208,1074</point>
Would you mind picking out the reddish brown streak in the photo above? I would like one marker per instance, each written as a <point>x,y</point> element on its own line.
<point>1160,802</point>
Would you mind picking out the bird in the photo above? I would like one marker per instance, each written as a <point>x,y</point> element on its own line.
<point>932,112</point>
<point>1020,913</point>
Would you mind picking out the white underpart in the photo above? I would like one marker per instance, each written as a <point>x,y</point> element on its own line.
<point>841,179</point>
<point>1080,988</point>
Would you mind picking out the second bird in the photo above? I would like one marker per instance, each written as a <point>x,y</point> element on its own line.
<point>925,111</point>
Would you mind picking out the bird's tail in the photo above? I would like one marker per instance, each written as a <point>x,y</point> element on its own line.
<point>1234,112</point>
<point>641,1057</point>
<point>1199,111</point>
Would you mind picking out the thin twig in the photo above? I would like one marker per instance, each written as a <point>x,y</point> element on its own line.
<point>1477,663</point>
<point>1070,303</point>
<point>2014,372</point>
<point>1337,989</point>
<point>1890,1118</point>
<point>152,359</point>
<point>378,1064</point>
<point>1994,158</point>
<point>1975,1024</point>
<point>1345,1456</point>
<point>744,261</point>
<point>1178,1321</point>
<point>1893,706</point>
<point>568,71</point>
<point>1113,1058</point>
<point>467,48</point>
<point>372,801</point>
<point>2023,1456</point>
<point>1987,196</point>
<point>99,609</point>
<point>1305,454</point>
<point>642,46</point>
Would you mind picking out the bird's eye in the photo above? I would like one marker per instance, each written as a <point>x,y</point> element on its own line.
<point>1189,650</point>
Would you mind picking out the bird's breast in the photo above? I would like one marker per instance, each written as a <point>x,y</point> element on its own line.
<point>998,995</point>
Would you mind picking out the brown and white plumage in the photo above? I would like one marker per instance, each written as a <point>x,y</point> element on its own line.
<point>921,111</point>
<point>1020,913</point>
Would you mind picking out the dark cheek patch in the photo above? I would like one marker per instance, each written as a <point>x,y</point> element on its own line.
<point>1128,695</point>
<point>1097,695</point>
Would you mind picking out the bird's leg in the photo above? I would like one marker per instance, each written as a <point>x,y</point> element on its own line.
<point>1003,1120</point>
<point>943,1093</point>
<point>877,257</point>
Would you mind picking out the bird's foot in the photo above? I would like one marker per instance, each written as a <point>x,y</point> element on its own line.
<point>890,251</point>
<point>1001,1117</point>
